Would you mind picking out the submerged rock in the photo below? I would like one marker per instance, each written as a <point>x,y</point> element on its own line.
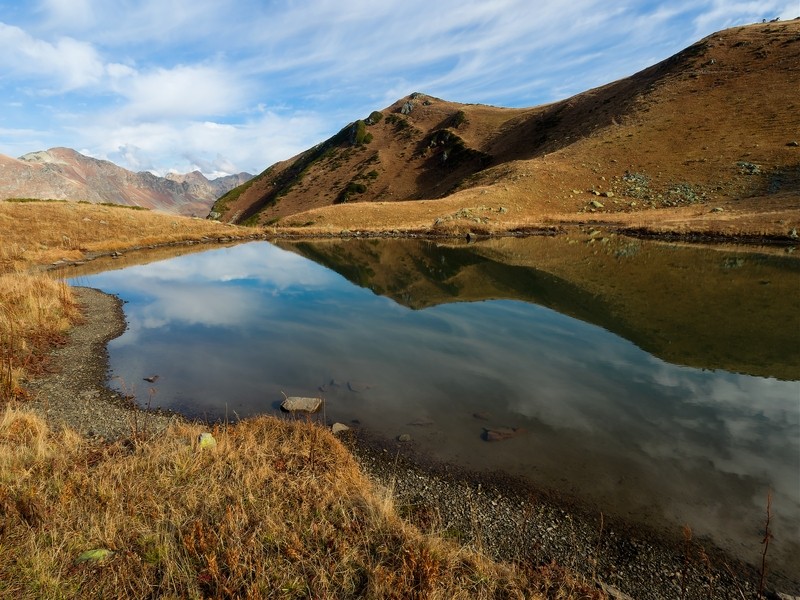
<point>358,386</point>
<point>498,434</point>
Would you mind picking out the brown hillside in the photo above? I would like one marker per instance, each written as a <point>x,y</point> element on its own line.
<point>713,127</point>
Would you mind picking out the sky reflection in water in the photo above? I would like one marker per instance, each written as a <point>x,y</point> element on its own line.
<point>228,331</point>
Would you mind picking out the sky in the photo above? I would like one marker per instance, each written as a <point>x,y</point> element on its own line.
<point>227,86</point>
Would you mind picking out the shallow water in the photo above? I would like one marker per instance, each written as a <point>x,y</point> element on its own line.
<point>443,342</point>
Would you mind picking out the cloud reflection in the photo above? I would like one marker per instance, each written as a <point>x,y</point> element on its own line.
<point>232,329</point>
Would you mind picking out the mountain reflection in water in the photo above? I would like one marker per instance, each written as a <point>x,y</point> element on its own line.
<point>653,381</point>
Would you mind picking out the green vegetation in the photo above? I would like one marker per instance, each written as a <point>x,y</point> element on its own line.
<point>351,188</point>
<point>452,149</point>
<point>458,119</point>
<point>400,123</point>
<point>359,131</point>
<point>374,117</point>
<point>24,200</point>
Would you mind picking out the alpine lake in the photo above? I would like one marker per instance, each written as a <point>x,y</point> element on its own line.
<point>659,382</point>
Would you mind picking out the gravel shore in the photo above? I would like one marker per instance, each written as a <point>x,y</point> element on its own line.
<point>503,517</point>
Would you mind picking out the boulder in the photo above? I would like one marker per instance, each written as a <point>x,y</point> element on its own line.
<point>294,404</point>
<point>498,434</point>
<point>339,428</point>
<point>406,108</point>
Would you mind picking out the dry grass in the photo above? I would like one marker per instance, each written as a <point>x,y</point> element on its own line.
<point>279,509</point>
<point>35,311</point>
<point>35,233</point>
<point>36,308</point>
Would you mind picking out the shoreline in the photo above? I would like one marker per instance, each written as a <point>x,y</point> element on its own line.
<point>742,238</point>
<point>505,517</point>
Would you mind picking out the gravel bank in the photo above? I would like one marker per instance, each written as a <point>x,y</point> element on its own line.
<point>503,517</point>
<point>74,392</point>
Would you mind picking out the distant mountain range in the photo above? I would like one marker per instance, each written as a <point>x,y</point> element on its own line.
<point>64,174</point>
<point>716,123</point>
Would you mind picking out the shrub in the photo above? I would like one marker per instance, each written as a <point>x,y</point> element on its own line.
<point>374,117</point>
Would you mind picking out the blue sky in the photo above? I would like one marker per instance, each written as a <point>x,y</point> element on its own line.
<point>178,85</point>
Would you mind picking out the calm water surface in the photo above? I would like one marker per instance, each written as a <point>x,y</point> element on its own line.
<point>229,331</point>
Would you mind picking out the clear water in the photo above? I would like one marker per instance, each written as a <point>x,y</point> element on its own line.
<point>230,331</point>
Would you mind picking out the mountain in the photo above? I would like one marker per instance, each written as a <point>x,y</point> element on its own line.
<point>62,173</point>
<point>715,127</point>
<point>648,292</point>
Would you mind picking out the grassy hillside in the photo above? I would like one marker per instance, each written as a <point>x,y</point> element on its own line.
<point>705,140</point>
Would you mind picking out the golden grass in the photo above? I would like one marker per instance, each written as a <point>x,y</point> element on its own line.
<point>44,232</point>
<point>278,509</point>
<point>35,311</point>
<point>35,308</point>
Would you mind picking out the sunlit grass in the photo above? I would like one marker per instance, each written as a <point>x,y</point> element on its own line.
<point>37,233</point>
<point>35,307</point>
<point>278,509</point>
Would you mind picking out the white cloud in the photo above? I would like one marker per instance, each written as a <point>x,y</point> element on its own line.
<point>196,71</point>
<point>67,64</point>
<point>185,145</point>
<point>182,91</point>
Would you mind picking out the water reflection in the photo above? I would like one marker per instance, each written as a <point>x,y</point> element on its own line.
<point>230,331</point>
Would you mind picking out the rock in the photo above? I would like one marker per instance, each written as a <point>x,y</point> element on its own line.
<point>502,210</point>
<point>471,237</point>
<point>151,378</point>
<point>613,592</point>
<point>406,108</point>
<point>404,438</point>
<point>748,168</point>
<point>206,440</point>
<point>607,194</point>
<point>358,386</point>
<point>339,428</point>
<point>793,234</point>
<point>294,404</point>
<point>793,144</point>
<point>717,209</point>
<point>596,204</point>
<point>483,415</point>
<point>498,434</point>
